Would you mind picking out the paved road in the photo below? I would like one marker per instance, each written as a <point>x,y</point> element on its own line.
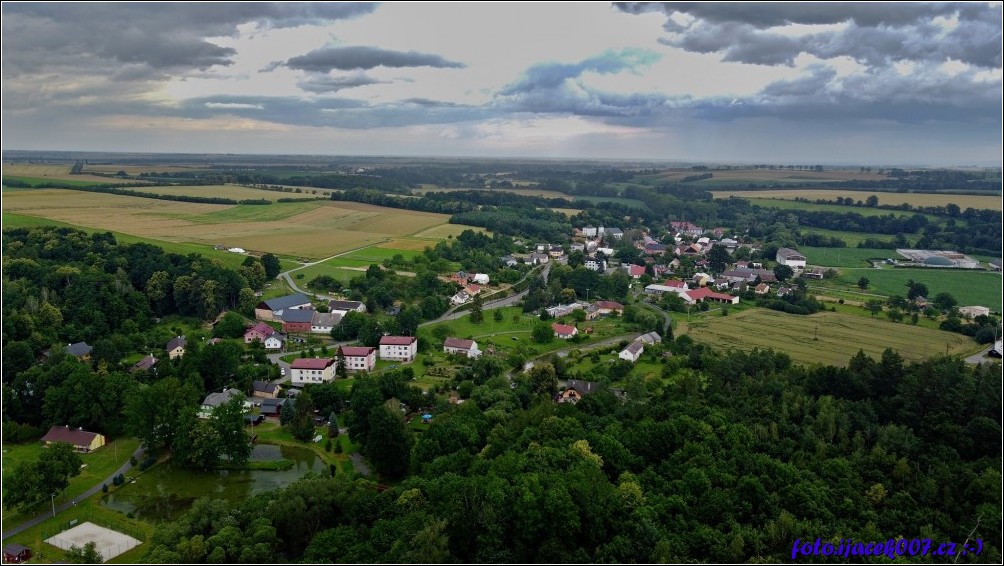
<point>563,353</point>
<point>496,304</point>
<point>292,284</point>
<point>981,358</point>
<point>138,454</point>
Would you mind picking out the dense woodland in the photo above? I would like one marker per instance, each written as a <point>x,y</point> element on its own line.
<point>740,455</point>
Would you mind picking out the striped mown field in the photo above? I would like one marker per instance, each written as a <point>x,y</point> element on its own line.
<point>826,338</point>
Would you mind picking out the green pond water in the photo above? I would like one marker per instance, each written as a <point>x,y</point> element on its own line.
<point>166,491</point>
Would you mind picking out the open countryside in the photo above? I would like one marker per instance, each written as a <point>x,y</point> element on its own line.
<point>914,199</point>
<point>825,338</point>
<point>311,230</point>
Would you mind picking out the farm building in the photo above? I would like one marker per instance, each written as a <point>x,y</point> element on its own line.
<point>974,311</point>
<point>80,439</point>
<point>323,322</point>
<point>273,309</point>
<point>344,307</point>
<point>939,258</point>
<point>791,258</point>
<point>297,320</point>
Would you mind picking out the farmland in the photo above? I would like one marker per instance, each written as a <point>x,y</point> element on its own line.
<point>525,192</point>
<point>844,257</point>
<point>825,338</point>
<point>914,199</point>
<point>312,230</point>
<point>784,204</point>
<point>968,287</point>
<point>54,172</point>
<point>747,175</point>
<point>236,192</point>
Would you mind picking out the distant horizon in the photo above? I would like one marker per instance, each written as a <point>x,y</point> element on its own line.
<point>655,162</point>
<point>866,84</point>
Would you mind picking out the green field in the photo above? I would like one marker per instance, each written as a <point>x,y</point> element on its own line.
<point>253,213</point>
<point>852,239</point>
<point>376,254</point>
<point>968,287</point>
<point>784,204</point>
<point>844,257</point>
<point>825,338</point>
<point>630,202</point>
<point>40,182</point>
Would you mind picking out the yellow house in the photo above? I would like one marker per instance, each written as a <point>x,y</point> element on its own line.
<point>176,347</point>
<point>80,439</point>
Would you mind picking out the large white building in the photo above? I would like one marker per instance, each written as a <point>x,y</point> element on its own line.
<point>401,348</point>
<point>791,258</point>
<point>311,370</point>
<point>359,358</point>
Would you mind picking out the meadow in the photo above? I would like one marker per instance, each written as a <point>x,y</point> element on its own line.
<point>310,230</point>
<point>784,204</point>
<point>845,257</point>
<point>826,338</point>
<point>915,199</point>
<point>852,239</point>
<point>967,286</point>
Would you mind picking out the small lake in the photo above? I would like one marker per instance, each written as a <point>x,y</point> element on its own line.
<point>167,491</point>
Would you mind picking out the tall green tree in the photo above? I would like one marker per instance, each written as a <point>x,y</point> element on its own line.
<point>32,483</point>
<point>477,314</point>
<point>388,445</point>
<point>271,265</point>
<point>302,427</point>
<point>718,258</point>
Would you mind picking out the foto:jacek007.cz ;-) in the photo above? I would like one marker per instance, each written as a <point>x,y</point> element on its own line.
<point>891,548</point>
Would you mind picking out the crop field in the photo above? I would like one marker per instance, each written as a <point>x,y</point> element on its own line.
<point>236,192</point>
<point>111,168</point>
<point>444,231</point>
<point>784,204</point>
<point>309,230</point>
<point>771,175</point>
<point>968,287</point>
<point>915,199</point>
<point>825,338</point>
<point>850,238</point>
<point>844,257</point>
<point>379,253</point>
<point>569,212</point>
<point>51,172</point>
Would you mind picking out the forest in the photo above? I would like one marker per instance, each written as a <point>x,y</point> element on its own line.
<point>734,458</point>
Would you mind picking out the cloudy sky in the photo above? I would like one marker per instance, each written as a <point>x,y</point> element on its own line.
<point>858,83</point>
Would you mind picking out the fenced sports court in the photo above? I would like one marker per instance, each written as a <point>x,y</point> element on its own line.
<point>108,542</point>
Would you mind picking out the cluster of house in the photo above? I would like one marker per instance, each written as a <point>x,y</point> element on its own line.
<point>636,348</point>
<point>470,286</point>
<point>356,358</point>
<point>594,310</point>
<point>691,296</point>
<point>297,314</point>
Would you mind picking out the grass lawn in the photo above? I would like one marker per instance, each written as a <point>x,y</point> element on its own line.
<point>99,465</point>
<point>845,257</point>
<point>826,338</point>
<point>378,253</point>
<point>851,238</point>
<point>968,287</point>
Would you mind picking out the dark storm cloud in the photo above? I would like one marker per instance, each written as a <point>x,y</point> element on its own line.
<point>158,35</point>
<point>875,34</point>
<point>319,84</point>
<point>364,57</point>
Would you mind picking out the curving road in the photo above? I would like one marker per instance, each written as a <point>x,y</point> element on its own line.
<point>138,454</point>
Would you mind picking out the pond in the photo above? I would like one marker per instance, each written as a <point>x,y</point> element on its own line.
<point>166,491</point>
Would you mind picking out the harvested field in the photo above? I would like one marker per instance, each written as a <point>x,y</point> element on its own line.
<point>236,192</point>
<point>410,244</point>
<point>840,336</point>
<point>737,175</point>
<point>54,172</point>
<point>311,230</point>
<point>915,199</point>
<point>441,232</point>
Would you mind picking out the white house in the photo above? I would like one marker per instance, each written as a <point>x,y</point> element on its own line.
<point>589,231</point>
<point>481,278</point>
<point>312,370</point>
<point>460,298</point>
<point>344,307</point>
<point>564,331</point>
<point>214,400</point>
<point>791,258</point>
<point>275,341</point>
<point>401,348</point>
<point>359,358</point>
<point>468,348</point>
<point>632,352</point>
<point>596,264</point>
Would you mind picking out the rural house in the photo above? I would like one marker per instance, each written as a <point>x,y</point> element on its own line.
<point>259,331</point>
<point>632,352</point>
<point>145,364</point>
<point>323,322</point>
<point>265,389</point>
<point>79,350</point>
<point>564,331</point>
<point>80,439</point>
<point>176,347</point>
<point>273,309</point>
<point>575,390</point>
<point>650,338</point>
<point>359,358</point>
<point>276,341</point>
<point>214,400</point>
<point>467,348</point>
<point>345,307</point>
<point>15,553</point>
<point>311,370</point>
<point>401,348</point>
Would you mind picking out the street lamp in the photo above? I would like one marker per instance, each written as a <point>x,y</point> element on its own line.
<point>52,500</point>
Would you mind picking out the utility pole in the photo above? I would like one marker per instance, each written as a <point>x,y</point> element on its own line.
<point>52,499</point>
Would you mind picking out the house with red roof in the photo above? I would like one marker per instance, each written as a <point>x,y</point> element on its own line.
<point>460,346</point>
<point>564,331</point>
<point>675,284</point>
<point>312,370</point>
<point>635,271</point>
<point>359,358</point>
<point>706,294</point>
<point>400,348</point>
<point>260,331</point>
<point>80,439</point>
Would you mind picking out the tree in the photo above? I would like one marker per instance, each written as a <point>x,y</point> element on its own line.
<point>894,314</point>
<point>477,314</point>
<point>543,379</point>
<point>271,265</point>
<point>863,283</point>
<point>302,427</point>
<point>497,315</point>
<point>718,258</point>
<point>874,306</point>
<point>287,413</point>
<point>872,201</point>
<point>332,425</point>
<point>230,326</point>
<point>88,554</point>
<point>542,333</point>
<point>944,301</point>
<point>388,445</point>
<point>915,290</point>
<point>33,482</point>
<point>228,422</point>
<point>783,272</point>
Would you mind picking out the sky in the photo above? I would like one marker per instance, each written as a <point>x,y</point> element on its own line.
<point>787,83</point>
